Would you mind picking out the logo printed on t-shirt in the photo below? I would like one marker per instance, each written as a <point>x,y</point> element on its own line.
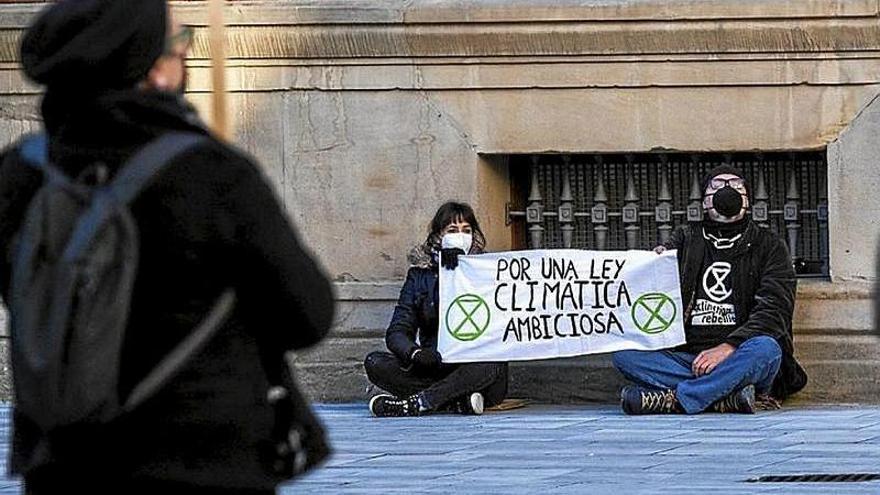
<point>715,281</point>
<point>707,313</point>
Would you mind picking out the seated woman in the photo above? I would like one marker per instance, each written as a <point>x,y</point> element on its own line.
<point>413,371</point>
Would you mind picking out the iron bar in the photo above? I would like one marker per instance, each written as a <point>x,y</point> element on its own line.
<point>599,211</point>
<point>566,205</point>
<point>790,214</point>
<point>535,210</point>
<point>631,209</point>
<point>663,211</point>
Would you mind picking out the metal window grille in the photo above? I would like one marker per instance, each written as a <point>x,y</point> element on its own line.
<point>817,478</point>
<point>634,201</point>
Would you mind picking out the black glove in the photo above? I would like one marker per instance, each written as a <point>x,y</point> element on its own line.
<point>449,258</point>
<point>426,359</point>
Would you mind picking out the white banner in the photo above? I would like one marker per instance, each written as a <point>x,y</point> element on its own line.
<point>523,305</point>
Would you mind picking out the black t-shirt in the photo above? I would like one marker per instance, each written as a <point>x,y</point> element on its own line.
<point>714,314</point>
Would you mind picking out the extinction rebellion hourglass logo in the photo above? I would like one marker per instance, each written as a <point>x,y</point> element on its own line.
<point>467,317</point>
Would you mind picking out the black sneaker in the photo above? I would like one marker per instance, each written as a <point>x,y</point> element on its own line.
<point>637,400</point>
<point>384,405</point>
<point>741,401</point>
<point>376,399</point>
<point>766,402</point>
<point>466,404</point>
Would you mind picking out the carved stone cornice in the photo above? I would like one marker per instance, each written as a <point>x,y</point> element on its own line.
<point>370,29</point>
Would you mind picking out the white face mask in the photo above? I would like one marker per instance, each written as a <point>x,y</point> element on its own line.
<point>458,240</point>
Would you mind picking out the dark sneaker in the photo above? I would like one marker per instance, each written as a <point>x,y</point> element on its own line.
<point>741,401</point>
<point>766,402</point>
<point>637,400</point>
<point>383,406</point>
<point>377,399</point>
<point>466,404</point>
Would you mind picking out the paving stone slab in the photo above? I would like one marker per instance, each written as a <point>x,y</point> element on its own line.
<point>711,463</point>
<point>827,436</point>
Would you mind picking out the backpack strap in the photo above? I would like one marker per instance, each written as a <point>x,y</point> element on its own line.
<point>34,150</point>
<point>147,162</point>
<point>129,181</point>
<point>174,361</point>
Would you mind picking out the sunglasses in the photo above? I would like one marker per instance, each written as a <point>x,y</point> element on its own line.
<point>736,183</point>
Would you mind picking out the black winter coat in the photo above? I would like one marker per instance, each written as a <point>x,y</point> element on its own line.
<point>209,221</point>
<point>416,314</point>
<point>765,294</point>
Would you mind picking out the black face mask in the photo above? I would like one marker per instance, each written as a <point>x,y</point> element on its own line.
<point>727,201</point>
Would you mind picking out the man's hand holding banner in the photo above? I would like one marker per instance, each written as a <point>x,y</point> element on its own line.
<point>524,305</point>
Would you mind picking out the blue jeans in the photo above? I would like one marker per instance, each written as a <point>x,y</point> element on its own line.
<point>755,362</point>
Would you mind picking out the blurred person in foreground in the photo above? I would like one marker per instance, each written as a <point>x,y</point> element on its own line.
<point>114,75</point>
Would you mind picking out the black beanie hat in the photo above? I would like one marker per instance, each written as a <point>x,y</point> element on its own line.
<point>721,170</point>
<point>94,44</point>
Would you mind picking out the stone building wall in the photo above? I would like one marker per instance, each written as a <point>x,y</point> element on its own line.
<point>367,114</point>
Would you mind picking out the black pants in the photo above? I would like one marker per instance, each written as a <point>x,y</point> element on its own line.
<point>440,386</point>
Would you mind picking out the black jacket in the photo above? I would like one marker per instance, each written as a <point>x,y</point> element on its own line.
<point>209,221</point>
<point>765,294</point>
<point>416,315</point>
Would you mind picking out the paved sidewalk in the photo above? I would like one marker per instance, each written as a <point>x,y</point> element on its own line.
<point>588,449</point>
<point>596,450</point>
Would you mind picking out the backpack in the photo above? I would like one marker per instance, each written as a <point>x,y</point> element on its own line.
<point>74,263</point>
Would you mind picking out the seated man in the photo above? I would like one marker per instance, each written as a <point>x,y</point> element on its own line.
<point>738,288</point>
